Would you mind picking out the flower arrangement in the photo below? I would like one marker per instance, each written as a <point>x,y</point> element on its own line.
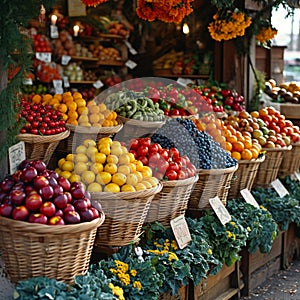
<point>93,3</point>
<point>228,25</point>
<point>167,11</point>
<point>266,34</point>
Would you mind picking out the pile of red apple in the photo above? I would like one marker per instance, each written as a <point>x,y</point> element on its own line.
<point>41,43</point>
<point>37,195</point>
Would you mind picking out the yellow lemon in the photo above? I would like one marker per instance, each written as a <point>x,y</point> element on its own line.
<point>105,149</point>
<point>103,178</point>
<point>132,167</point>
<point>111,168</point>
<point>81,157</point>
<point>94,187</point>
<point>83,119</point>
<point>91,151</point>
<point>124,149</point>
<point>89,143</point>
<point>88,177</point>
<point>132,179</point>
<point>94,109</point>
<point>112,188</point>
<point>112,159</point>
<point>99,158</point>
<point>124,159</point>
<point>67,166</point>
<point>146,171</point>
<point>154,181</point>
<point>116,150</point>
<point>116,144</point>
<point>80,149</point>
<point>96,168</point>
<point>74,178</point>
<point>138,175</point>
<point>147,184</point>
<point>139,165</point>
<point>94,118</point>
<point>66,174</point>
<point>119,179</point>
<point>127,188</point>
<point>124,169</point>
<point>80,167</point>
<point>70,157</point>
<point>58,171</point>
<point>80,102</point>
<point>131,157</point>
<point>140,187</point>
<point>102,107</point>
<point>82,110</point>
<point>61,162</point>
<point>106,139</point>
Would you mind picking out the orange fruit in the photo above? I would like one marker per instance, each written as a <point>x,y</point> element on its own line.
<point>248,143</point>
<point>227,133</point>
<point>246,154</point>
<point>228,146</point>
<point>72,106</point>
<point>232,139</point>
<point>254,152</point>
<point>238,146</point>
<point>254,114</point>
<point>36,99</point>
<point>127,188</point>
<point>63,108</point>
<point>236,155</point>
<point>73,114</point>
<point>94,109</point>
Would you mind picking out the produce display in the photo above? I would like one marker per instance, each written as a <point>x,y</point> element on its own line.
<point>104,53</point>
<point>106,166</point>
<point>166,164</point>
<point>46,72</point>
<point>41,43</point>
<point>37,195</point>
<point>74,72</point>
<point>64,45</point>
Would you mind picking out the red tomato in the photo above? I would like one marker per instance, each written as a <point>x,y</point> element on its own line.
<point>134,153</point>
<point>144,160</point>
<point>174,153</point>
<point>182,175</point>
<point>171,174</point>
<point>164,153</point>
<point>174,166</point>
<point>163,165</point>
<point>134,144</point>
<point>142,150</point>
<point>154,148</point>
<point>145,141</point>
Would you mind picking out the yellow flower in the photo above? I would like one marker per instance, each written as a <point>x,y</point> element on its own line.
<point>137,284</point>
<point>124,278</point>
<point>262,207</point>
<point>133,273</point>
<point>229,234</point>
<point>232,223</point>
<point>174,245</point>
<point>209,251</point>
<point>172,256</point>
<point>248,228</point>
<point>116,290</point>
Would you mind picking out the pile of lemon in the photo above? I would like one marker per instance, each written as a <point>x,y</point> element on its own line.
<point>77,111</point>
<point>106,166</point>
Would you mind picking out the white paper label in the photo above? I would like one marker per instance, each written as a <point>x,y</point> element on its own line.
<point>279,188</point>
<point>220,210</point>
<point>27,81</point>
<point>248,197</point>
<point>54,32</point>
<point>98,84</point>
<point>130,48</point>
<point>66,81</point>
<point>130,64</point>
<point>43,56</point>
<point>297,175</point>
<point>184,81</point>
<point>65,59</point>
<point>16,155</point>
<point>181,231</point>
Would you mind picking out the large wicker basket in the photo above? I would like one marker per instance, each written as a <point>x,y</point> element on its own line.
<point>211,183</point>
<point>41,147</point>
<point>60,252</point>
<point>268,170</point>
<point>171,201</point>
<point>290,161</point>
<point>125,213</point>
<point>244,176</point>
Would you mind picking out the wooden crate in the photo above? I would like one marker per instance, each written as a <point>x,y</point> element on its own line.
<point>222,286</point>
<point>291,245</point>
<point>290,110</point>
<point>258,267</point>
<point>183,294</point>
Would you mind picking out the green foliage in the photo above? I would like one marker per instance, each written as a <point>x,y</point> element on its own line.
<point>261,226</point>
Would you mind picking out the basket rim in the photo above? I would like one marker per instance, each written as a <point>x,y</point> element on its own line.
<point>252,161</point>
<point>96,130</point>
<point>127,195</point>
<point>141,123</point>
<point>181,182</point>
<point>217,171</point>
<point>36,228</point>
<point>277,149</point>
<point>36,138</point>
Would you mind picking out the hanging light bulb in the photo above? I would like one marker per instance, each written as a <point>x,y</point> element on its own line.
<point>76,30</point>
<point>185,28</point>
<point>53,19</point>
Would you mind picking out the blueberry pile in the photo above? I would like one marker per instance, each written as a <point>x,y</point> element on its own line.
<point>199,146</point>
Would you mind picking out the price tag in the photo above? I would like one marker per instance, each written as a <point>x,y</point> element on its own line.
<point>279,188</point>
<point>248,197</point>
<point>184,81</point>
<point>220,210</point>
<point>58,86</point>
<point>130,64</point>
<point>43,56</point>
<point>98,84</point>
<point>65,59</point>
<point>54,32</point>
<point>16,155</point>
<point>181,231</point>
<point>297,175</point>
<point>66,81</point>
<point>27,81</point>
<point>130,48</point>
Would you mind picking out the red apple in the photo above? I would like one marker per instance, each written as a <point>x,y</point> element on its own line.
<point>46,192</point>
<point>48,209</point>
<point>56,220</point>
<point>69,196</point>
<point>40,181</point>
<point>24,164</point>
<point>33,201</point>
<point>69,207</point>
<point>71,217</point>
<point>80,204</point>
<point>64,182</point>
<point>86,215</point>
<point>77,192</point>
<point>53,174</point>
<point>17,196</point>
<point>52,181</point>
<point>39,165</point>
<point>57,189</point>
<point>7,184</point>
<point>28,174</point>
<point>95,212</point>
<point>19,186</point>
<point>38,218</point>
<point>59,213</point>
<point>6,210</point>
<point>20,213</point>
<point>3,195</point>
<point>60,201</point>
<point>17,175</point>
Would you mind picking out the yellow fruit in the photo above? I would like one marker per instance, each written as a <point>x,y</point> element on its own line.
<point>92,102</point>
<point>67,166</point>
<point>138,175</point>
<point>116,144</point>
<point>124,169</point>
<point>73,115</point>
<point>111,158</point>
<point>103,178</point>
<point>72,121</point>
<point>81,157</point>
<point>105,140</point>
<point>111,168</point>
<point>132,167</point>
<point>99,158</point>
<point>70,157</point>
<point>47,98</point>
<point>94,118</point>
<point>102,107</point>
<point>131,156</point>
<point>77,95</point>
<point>81,149</point>
<point>66,174</point>
<point>80,102</point>
<point>36,99</point>
<point>80,167</point>
<point>96,168</point>
<point>127,188</point>
<point>72,106</point>
<point>88,177</point>
<point>61,162</point>
<point>146,171</point>
<point>58,171</point>
<point>147,184</point>
<point>74,178</point>
<point>86,124</point>
<point>105,149</point>
<point>82,111</point>
<point>89,143</point>
<point>63,108</point>
<point>65,117</point>
<point>140,187</point>
<point>116,150</point>
<point>91,151</point>
<point>119,179</point>
<point>132,179</point>
<point>124,159</point>
<point>139,165</point>
<point>83,119</point>
<point>112,188</point>
<point>94,187</point>
<point>94,109</point>
<point>154,181</point>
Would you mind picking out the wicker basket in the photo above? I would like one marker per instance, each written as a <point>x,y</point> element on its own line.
<point>136,128</point>
<point>125,213</point>
<point>268,170</point>
<point>41,147</point>
<point>171,201</point>
<point>290,161</point>
<point>244,176</point>
<point>211,183</point>
<point>60,252</point>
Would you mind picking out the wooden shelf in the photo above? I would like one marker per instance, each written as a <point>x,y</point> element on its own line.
<point>82,58</point>
<point>115,63</point>
<point>101,37</point>
<point>82,82</point>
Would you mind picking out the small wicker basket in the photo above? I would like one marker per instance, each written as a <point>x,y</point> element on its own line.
<point>125,213</point>
<point>244,176</point>
<point>290,161</point>
<point>268,170</point>
<point>211,183</point>
<point>60,252</point>
<point>171,201</point>
<point>41,147</point>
